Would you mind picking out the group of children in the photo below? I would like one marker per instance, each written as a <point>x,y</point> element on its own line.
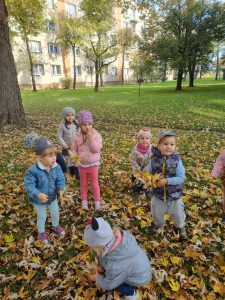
<point>123,264</point>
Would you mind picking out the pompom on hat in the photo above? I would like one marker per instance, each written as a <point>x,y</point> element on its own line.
<point>98,233</point>
<point>144,131</point>
<point>85,116</point>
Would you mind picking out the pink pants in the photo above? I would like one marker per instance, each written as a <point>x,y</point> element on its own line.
<point>85,173</point>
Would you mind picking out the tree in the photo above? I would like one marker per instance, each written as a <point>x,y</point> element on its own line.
<point>71,34</point>
<point>11,108</point>
<point>27,19</point>
<point>102,43</point>
<point>127,38</point>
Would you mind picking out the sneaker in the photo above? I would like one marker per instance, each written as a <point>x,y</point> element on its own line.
<point>98,205</point>
<point>43,237</point>
<point>84,205</point>
<point>182,233</point>
<point>223,219</point>
<point>59,230</point>
<point>134,297</point>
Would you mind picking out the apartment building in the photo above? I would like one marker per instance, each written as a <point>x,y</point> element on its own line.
<point>51,62</point>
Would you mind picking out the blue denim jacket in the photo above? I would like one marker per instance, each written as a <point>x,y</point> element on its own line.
<point>38,180</point>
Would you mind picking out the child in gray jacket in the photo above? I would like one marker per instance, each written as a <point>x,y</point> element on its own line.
<point>123,264</point>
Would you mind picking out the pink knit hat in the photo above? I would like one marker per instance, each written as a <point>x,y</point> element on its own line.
<point>144,131</point>
<point>85,116</point>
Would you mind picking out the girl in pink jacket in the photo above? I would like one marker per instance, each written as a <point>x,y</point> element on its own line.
<point>219,171</point>
<point>87,145</point>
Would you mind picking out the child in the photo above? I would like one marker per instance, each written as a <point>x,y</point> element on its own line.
<point>167,196</point>
<point>140,157</point>
<point>31,138</point>
<point>66,131</point>
<point>123,264</point>
<point>43,181</point>
<point>87,144</point>
<point>219,171</point>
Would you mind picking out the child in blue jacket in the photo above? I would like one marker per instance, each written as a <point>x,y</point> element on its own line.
<point>43,181</point>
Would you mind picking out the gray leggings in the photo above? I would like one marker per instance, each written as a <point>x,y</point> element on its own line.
<point>173,208</point>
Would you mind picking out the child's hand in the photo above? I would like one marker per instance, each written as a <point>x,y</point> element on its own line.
<point>66,147</point>
<point>161,182</point>
<point>93,277</point>
<point>90,135</point>
<point>213,178</point>
<point>100,270</point>
<point>43,197</point>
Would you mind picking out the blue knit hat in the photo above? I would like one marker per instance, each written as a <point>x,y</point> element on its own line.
<point>42,144</point>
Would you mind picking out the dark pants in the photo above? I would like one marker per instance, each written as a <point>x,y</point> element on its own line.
<point>60,160</point>
<point>137,187</point>
<point>125,289</point>
<point>73,169</point>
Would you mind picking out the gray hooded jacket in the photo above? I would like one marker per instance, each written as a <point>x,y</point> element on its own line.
<point>128,263</point>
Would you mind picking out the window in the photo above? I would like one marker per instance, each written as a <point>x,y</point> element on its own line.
<point>51,26</point>
<point>56,69</point>
<point>126,71</point>
<point>89,70</point>
<point>78,70</point>
<point>50,4</point>
<point>133,14</point>
<point>35,46</point>
<point>71,9</point>
<point>125,24</point>
<point>77,51</point>
<point>53,48</point>
<point>38,69</point>
<point>126,56</point>
<point>114,71</point>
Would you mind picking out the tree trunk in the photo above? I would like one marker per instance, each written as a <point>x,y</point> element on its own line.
<point>200,72</point>
<point>191,71</point>
<point>96,75</point>
<point>31,66</point>
<point>11,108</point>
<point>179,79</point>
<point>123,57</point>
<point>164,72</point>
<point>217,63</point>
<point>101,79</point>
<point>74,67</point>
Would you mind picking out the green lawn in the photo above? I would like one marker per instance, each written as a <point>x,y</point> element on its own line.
<point>58,271</point>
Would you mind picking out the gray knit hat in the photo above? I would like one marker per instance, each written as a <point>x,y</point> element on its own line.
<point>67,110</point>
<point>42,144</point>
<point>30,140</point>
<point>98,233</point>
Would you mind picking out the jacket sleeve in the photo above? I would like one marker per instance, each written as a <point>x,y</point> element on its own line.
<point>149,167</point>
<point>219,165</point>
<point>30,182</point>
<point>111,280</point>
<point>134,164</point>
<point>96,145</point>
<point>60,136</point>
<point>180,175</point>
<point>60,180</point>
<point>74,146</point>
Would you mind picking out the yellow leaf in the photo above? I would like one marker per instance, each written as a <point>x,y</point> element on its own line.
<point>219,288</point>
<point>175,260</point>
<point>164,261</point>
<point>174,285</point>
<point>36,259</point>
<point>23,294</point>
<point>9,238</point>
<point>29,275</point>
<point>143,224</point>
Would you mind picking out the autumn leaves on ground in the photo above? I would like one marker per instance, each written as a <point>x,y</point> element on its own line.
<point>191,270</point>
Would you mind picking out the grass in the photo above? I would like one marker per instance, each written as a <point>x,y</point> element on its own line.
<point>198,117</point>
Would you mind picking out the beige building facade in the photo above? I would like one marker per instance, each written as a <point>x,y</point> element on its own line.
<point>52,63</point>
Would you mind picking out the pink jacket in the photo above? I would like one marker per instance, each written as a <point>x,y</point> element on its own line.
<point>219,165</point>
<point>88,153</point>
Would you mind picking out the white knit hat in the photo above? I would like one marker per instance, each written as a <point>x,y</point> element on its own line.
<point>67,110</point>
<point>144,131</point>
<point>98,233</point>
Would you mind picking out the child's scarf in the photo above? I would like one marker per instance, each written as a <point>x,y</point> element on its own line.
<point>143,150</point>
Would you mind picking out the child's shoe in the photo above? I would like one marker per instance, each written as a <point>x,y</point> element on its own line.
<point>182,233</point>
<point>134,297</point>
<point>98,205</point>
<point>59,230</point>
<point>43,237</point>
<point>84,205</point>
<point>223,219</point>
